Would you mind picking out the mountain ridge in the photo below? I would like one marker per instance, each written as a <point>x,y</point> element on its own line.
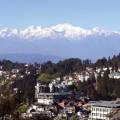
<point>63,40</point>
<point>29,58</point>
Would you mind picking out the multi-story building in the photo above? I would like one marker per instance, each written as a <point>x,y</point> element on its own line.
<point>46,96</point>
<point>101,110</point>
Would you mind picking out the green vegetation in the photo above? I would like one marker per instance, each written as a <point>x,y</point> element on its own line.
<point>22,108</point>
<point>1,79</point>
<point>75,117</point>
<point>45,78</point>
<point>108,88</point>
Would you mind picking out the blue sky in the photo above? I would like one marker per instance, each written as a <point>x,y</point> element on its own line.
<point>85,13</point>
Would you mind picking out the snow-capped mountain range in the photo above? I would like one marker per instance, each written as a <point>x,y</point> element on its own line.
<point>63,40</point>
<point>66,30</point>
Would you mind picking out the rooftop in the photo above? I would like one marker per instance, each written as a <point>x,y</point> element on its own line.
<point>109,104</point>
<point>56,93</point>
<point>115,74</point>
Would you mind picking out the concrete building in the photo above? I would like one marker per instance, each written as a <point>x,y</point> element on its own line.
<point>45,95</point>
<point>100,110</point>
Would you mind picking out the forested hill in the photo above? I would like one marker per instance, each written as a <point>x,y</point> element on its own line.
<point>55,64</point>
<point>76,65</point>
<point>107,88</point>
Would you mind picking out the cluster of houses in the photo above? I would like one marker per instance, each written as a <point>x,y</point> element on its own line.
<point>56,100</point>
<point>11,75</point>
<point>68,79</point>
<point>88,73</point>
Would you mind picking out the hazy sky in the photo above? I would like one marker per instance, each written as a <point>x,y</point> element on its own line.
<point>85,13</point>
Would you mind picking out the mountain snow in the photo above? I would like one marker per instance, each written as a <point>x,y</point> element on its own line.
<point>64,40</point>
<point>66,31</point>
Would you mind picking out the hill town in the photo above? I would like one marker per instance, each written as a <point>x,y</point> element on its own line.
<point>72,89</point>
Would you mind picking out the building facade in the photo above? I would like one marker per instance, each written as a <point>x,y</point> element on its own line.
<point>102,109</point>
<point>44,95</point>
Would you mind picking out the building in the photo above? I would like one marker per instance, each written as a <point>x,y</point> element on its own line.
<point>115,75</point>
<point>46,96</point>
<point>50,98</point>
<point>1,72</point>
<point>100,110</point>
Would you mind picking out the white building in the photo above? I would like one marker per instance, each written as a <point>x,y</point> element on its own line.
<point>82,77</point>
<point>67,78</point>
<point>105,69</point>
<point>100,110</point>
<point>1,72</point>
<point>48,97</point>
<point>45,98</point>
<point>115,75</point>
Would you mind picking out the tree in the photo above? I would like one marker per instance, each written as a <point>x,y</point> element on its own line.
<point>45,78</point>
<point>22,108</point>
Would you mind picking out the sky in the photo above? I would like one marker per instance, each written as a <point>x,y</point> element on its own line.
<point>84,13</point>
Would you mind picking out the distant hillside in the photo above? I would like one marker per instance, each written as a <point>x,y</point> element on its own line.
<point>29,58</point>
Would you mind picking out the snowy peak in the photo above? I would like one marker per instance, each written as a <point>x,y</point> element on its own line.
<point>65,30</point>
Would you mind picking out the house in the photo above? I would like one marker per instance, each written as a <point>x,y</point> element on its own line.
<point>101,109</point>
<point>40,111</point>
<point>98,70</point>
<point>67,78</point>
<point>70,109</point>
<point>105,69</point>
<point>82,77</point>
<point>58,78</point>
<point>1,72</point>
<point>35,107</point>
<point>13,76</point>
<point>115,75</point>
<point>118,69</point>
<point>15,71</point>
<point>1,67</point>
